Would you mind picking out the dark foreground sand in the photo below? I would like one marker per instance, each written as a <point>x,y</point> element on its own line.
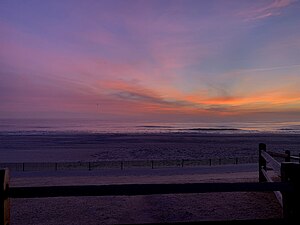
<point>143,209</point>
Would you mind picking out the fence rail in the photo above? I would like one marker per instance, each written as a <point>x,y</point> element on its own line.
<point>142,189</point>
<point>285,171</point>
<point>288,188</point>
<point>97,165</point>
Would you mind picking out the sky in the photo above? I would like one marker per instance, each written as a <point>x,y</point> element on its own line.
<point>142,60</point>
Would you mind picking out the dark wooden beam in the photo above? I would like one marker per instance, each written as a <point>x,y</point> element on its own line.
<point>143,189</point>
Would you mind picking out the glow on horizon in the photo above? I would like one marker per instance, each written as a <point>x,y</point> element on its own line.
<point>150,60</point>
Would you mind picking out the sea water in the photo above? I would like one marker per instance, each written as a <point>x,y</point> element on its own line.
<point>99,126</point>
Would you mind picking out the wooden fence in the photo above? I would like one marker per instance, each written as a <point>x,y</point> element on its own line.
<point>287,189</point>
<point>271,170</point>
<point>125,164</point>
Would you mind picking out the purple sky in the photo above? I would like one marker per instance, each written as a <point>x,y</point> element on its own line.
<point>150,60</point>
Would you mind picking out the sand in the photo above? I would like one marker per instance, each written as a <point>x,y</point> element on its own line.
<point>92,147</point>
<point>140,209</point>
<point>143,209</point>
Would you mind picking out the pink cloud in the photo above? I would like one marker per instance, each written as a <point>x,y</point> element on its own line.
<point>261,12</point>
<point>54,79</point>
<point>172,54</point>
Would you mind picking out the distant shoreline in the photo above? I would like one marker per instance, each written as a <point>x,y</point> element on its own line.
<point>181,132</point>
<point>39,126</point>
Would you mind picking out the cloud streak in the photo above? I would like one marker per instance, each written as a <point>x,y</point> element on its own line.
<point>274,8</point>
<point>192,58</point>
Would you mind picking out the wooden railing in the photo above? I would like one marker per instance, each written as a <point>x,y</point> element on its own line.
<point>288,190</point>
<point>286,171</point>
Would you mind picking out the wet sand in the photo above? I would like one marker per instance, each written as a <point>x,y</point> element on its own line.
<point>92,147</point>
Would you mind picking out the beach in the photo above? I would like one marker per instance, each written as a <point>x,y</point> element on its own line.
<point>64,147</point>
<point>143,209</point>
<point>129,92</point>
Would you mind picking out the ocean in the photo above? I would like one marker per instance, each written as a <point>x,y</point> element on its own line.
<point>94,140</point>
<point>36,126</point>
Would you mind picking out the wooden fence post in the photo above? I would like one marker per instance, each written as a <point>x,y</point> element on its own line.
<point>290,172</point>
<point>4,200</point>
<point>288,157</point>
<point>262,164</point>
